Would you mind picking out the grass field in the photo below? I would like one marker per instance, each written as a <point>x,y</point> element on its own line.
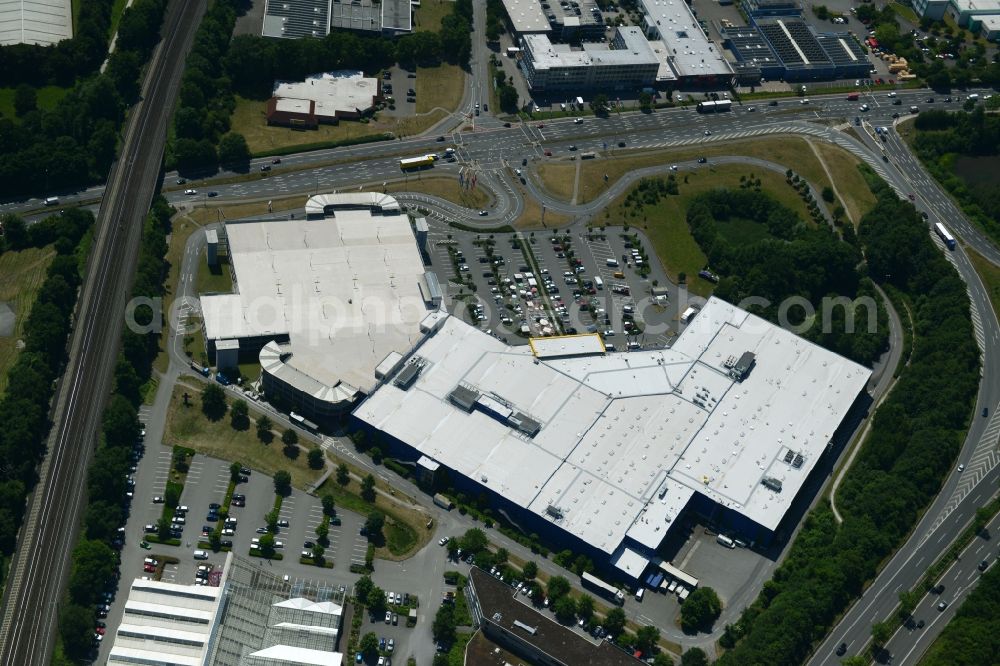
<point>21,276</point>
<point>214,279</point>
<point>557,176</point>
<point>48,97</point>
<point>188,426</point>
<point>440,86</point>
<point>429,14</point>
<point>854,192</point>
<point>666,225</point>
<point>440,186</point>
<point>989,274</point>
<point>738,231</point>
<point>116,16</point>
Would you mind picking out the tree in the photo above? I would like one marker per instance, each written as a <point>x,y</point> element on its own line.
<point>474,541</point>
<point>329,508</point>
<point>318,552</point>
<point>363,587</point>
<point>235,471</point>
<point>508,98</point>
<point>233,149</point>
<point>565,609</point>
<point>343,474</point>
<point>376,600</point>
<point>614,621</point>
<point>25,99</point>
<point>239,415</point>
<point>282,483</point>
<point>213,402</point>
<point>264,426</point>
<point>163,529</point>
<point>290,438</point>
<point>599,105</point>
<point>368,488</point>
<point>76,628</point>
<point>93,566</point>
<point>316,458</point>
<point>267,545</point>
<point>374,524</point>
<point>694,656</point>
<point>322,533</point>
<point>646,638</point>
<point>827,194</point>
<point>558,587</point>
<point>369,644</point>
<point>585,607</point>
<point>271,518</point>
<point>705,609</point>
<point>645,102</point>
<point>530,570</point>
<point>881,633</point>
<point>376,454</point>
<point>444,625</point>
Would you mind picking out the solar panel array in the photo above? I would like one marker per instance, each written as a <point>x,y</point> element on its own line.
<point>749,46</point>
<point>356,15</point>
<point>840,48</point>
<point>785,47</point>
<point>297,18</point>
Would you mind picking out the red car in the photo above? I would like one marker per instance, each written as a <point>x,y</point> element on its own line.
<point>548,153</point>
<point>100,630</point>
<point>149,568</point>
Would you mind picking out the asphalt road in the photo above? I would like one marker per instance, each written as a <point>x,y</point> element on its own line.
<point>41,564</point>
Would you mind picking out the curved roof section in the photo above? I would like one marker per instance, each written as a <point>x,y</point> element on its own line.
<point>324,204</point>
<point>274,359</point>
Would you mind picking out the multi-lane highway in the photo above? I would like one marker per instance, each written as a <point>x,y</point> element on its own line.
<point>40,566</point>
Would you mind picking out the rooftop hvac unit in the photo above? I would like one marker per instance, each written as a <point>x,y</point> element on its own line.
<point>554,511</point>
<point>771,483</point>
<point>788,456</point>
<point>797,463</point>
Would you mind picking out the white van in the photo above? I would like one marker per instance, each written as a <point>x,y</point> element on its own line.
<point>201,555</point>
<point>51,201</point>
<point>638,593</point>
<point>723,540</point>
<point>612,262</point>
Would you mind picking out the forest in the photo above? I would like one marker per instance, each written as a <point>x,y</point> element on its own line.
<point>944,137</point>
<point>73,144</point>
<point>788,258</point>
<point>914,438</point>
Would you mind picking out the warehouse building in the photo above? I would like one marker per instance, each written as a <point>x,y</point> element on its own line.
<point>167,623</point>
<point>625,63</point>
<point>42,22</point>
<point>323,98</point>
<point>294,19</point>
<point>604,452</point>
<point>322,302</point>
<point>786,48</point>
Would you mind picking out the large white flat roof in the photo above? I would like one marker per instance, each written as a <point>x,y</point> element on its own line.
<point>42,22</point>
<point>346,90</point>
<point>689,51</point>
<point>527,16</point>
<point>345,289</point>
<point>567,345</point>
<point>625,440</point>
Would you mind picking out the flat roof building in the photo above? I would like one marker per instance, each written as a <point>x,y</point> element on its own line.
<point>294,19</point>
<point>322,301</point>
<point>169,623</point>
<point>42,22</point>
<point>322,98</point>
<point>627,62</point>
<point>527,17</point>
<point>621,444</point>
<point>692,57</point>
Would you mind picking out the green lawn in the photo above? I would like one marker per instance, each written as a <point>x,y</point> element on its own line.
<point>214,279</point>
<point>48,97</point>
<point>429,14</point>
<point>116,16</point>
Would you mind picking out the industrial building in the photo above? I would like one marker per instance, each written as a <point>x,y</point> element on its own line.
<point>786,48</point>
<point>322,99</point>
<point>611,449</point>
<point>42,22</point>
<point>294,19</point>
<point>690,58</point>
<point>627,62</point>
<point>167,623</point>
<point>324,303</point>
